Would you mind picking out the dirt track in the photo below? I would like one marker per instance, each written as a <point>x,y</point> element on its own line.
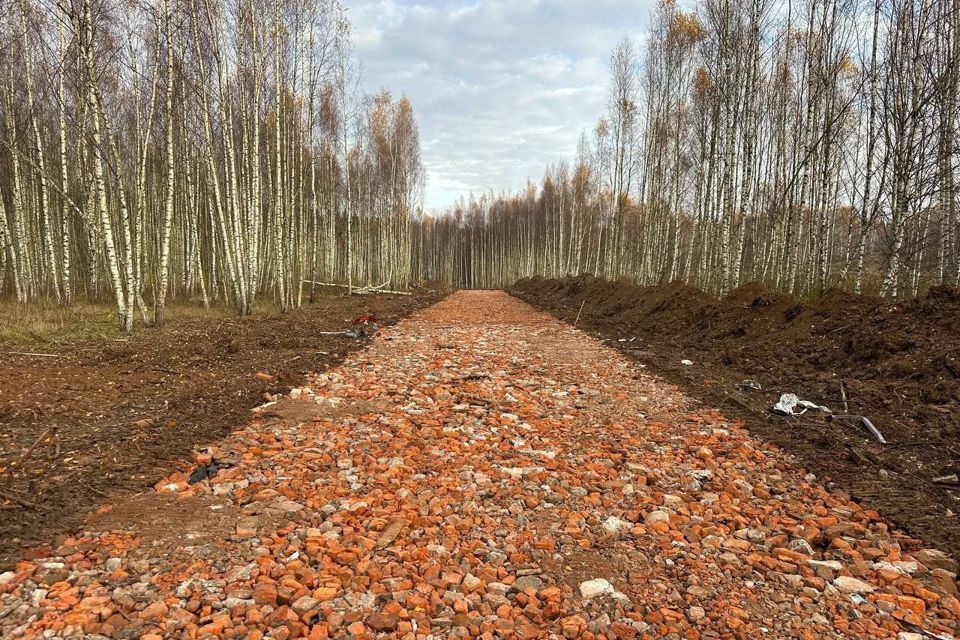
<point>482,469</point>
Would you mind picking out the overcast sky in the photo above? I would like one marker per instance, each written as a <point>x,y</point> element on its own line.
<point>500,88</point>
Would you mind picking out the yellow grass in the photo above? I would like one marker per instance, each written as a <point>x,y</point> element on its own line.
<point>48,322</point>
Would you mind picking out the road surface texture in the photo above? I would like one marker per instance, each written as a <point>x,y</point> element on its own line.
<point>483,470</point>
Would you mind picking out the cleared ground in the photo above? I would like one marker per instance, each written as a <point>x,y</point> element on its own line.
<point>482,469</point>
<point>87,415</point>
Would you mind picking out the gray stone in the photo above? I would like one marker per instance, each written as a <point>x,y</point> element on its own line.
<point>597,587</point>
<point>526,582</point>
<point>936,559</point>
<point>826,569</point>
<point>850,585</point>
<point>802,546</point>
<point>614,524</point>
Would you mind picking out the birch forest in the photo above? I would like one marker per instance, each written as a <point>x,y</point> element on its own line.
<point>804,144</point>
<point>196,149</point>
<point>224,152</point>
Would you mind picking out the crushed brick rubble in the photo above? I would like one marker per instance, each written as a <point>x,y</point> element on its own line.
<point>482,470</point>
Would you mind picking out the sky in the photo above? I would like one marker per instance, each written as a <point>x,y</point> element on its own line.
<point>500,88</point>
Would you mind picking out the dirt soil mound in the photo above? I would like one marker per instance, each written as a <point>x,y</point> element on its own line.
<point>896,363</point>
<point>86,422</point>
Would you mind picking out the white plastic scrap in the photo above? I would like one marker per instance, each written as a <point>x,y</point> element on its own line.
<point>789,402</point>
<point>686,363</point>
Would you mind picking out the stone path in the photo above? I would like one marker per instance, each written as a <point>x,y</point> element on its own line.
<point>482,470</point>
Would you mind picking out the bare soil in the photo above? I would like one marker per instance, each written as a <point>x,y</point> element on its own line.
<point>482,470</point>
<point>896,363</point>
<point>87,422</point>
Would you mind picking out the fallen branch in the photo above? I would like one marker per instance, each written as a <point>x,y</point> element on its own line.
<point>366,290</point>
<point>46,435</point>
<point>579,312</point>
<point>34,355</point>
<point>18,499</point>
<point>372,290</point>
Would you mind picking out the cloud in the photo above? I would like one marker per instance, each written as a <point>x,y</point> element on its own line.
<point>500,88</point>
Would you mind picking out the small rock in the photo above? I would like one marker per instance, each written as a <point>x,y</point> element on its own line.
<point>826,569</point>
<point>673,502</point>
<point>156,610</point>
<point>597,587</point>
<point>304,604</point>
<point>657,516</point>
<point>849,585</point>
<point>802,546</point>
<point>744,486</point>
<point>390,534</point>
<point>382,621</point>
<point>936,559</point>
<point>265,594</point>
<point>614,524</point>
<point>471,582</point>
<point>527,582</point>
<point>906,568</point>
<point>696,614</point>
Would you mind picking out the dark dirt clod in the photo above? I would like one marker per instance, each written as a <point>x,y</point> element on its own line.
<point>898,363</point>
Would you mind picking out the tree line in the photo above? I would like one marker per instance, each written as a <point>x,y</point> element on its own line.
<point>806,144</point>
<point>197,149</point>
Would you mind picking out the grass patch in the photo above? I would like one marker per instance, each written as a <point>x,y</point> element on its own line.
<point>45,322</point>
<point>23,323</point>
<point>33,323</point>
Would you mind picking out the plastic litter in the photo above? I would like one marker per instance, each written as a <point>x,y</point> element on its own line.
<point>686,363</point>
<point>749,384</point>
<point>789,403</point>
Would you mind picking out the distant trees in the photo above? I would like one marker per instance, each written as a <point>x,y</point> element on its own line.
<point>222,151</point>
<point>195,148</point>
<point>802,143</point>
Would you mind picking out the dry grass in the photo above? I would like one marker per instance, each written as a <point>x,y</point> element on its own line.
<point>47,322</point>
